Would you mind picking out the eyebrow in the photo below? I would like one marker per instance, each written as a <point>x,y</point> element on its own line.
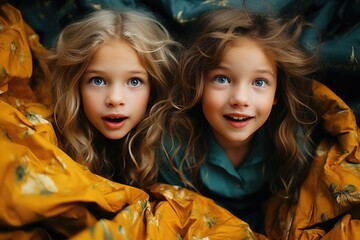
<point>266,72</point>
<point>97,71</point>
<point>224,67</point>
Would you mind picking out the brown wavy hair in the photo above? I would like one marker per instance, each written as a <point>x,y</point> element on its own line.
<point>181,120</point>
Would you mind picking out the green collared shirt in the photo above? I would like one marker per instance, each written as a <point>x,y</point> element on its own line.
<point>240,190</point>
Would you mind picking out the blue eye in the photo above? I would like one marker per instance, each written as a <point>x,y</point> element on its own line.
<point>135,82</point>
<point>222,80</point>
<point>97,81</point>
<point>259,82</point>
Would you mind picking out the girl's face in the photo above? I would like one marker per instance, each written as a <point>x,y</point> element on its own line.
<point>240,92</point>
<point>115,89</point>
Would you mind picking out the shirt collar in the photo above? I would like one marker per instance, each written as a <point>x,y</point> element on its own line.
<point>216,154</point>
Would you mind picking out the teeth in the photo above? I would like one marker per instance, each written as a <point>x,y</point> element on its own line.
<point>238,118</point>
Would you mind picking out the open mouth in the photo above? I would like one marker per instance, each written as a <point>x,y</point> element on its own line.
<point>236,118</point>
<point>114,119</point>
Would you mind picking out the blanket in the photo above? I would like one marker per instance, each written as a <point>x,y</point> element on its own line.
<point>47,195</point>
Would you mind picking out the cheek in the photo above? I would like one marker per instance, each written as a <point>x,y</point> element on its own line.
<point>143,100</point>
<point>211,103</point>
<point>88,109</point>
<point>212,99</point>
<point>206,103</point>
<point>266,108</point>
<point>86,100</point>
<point>89,103</point>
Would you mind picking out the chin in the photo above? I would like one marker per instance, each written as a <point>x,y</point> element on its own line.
<point>113,137</point>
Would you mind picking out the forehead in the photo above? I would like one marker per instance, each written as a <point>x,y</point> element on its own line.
<point>245,57</point>
<point>116,57</point>
<point>114,49</point>
<point>249,43</point>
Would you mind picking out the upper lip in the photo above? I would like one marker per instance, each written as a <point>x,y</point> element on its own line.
<point>115,116</point>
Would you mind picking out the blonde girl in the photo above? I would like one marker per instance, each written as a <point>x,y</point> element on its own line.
<point>107,70</point>
<point>111,78</point>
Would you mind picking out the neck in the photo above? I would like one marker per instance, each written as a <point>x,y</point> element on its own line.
<point>237,154</point>
<point>236,151</point>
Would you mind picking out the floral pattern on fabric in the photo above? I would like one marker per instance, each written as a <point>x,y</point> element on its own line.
<point>329,202</point>
<point>47,195</point>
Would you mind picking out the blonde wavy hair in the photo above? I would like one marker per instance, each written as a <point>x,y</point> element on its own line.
<point>67,62</point>
<point>180,119</point>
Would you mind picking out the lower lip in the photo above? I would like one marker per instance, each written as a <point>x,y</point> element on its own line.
<point>114,125</point>
<point>236,124</point>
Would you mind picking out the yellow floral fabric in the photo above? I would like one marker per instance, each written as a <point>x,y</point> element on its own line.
<point>44,192</point>
<point>329,202</point>
<point>47,195</point>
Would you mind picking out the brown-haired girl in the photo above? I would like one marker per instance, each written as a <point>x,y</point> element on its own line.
<point>240,119</point>
<point>107,71</point>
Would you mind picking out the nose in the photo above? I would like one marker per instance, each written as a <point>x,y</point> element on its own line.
<point>240,95</point>
<point>115,96</point>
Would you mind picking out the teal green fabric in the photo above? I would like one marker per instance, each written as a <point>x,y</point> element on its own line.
<point>218,179</point>
<point>337,21</point>
<point>188,10</point>
<point>49,17</point>
<point>221,178</point>
<point>242,191</point>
